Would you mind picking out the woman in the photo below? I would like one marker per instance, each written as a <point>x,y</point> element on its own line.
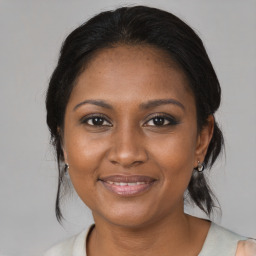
<point>130,107</point>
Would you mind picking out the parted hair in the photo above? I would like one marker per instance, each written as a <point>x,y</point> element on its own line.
<point>138,25</point>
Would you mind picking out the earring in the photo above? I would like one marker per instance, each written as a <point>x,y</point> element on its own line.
<point>200,167</point>
<point>66,167</point>
<point>66,173</point>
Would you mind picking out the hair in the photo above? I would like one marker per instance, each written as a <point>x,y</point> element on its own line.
<point>138,25</point>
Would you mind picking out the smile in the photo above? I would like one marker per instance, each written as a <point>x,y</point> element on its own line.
<point>127,185</point>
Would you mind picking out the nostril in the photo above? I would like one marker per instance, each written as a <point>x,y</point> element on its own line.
<point>127,164</point>
<point>114,162</point>
<point>137,163</point>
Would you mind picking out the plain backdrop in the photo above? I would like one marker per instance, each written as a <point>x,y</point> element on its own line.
<point>31,33</point>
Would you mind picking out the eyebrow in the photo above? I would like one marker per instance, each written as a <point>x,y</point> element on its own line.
<point>156,103</point>
<point>100,103</point>
<point>146,105</point>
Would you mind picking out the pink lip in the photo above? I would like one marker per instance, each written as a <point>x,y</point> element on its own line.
<point>127,185</point>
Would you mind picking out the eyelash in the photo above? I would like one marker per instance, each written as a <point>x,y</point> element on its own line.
<point>94,117</point>
<point>165,120</point>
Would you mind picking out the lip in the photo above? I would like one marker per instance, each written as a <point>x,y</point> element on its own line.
<point>131,185</point>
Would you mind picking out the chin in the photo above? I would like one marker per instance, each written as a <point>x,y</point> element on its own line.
<point>128,216</point>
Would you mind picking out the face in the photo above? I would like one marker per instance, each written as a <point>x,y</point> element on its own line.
<point>131,137</point>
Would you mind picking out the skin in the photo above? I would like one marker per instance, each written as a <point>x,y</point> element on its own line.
<point>118,87</point>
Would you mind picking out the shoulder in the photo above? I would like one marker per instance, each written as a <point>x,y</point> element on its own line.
<point>246,248</point>
<point>220,241</point>
<point>62,249</point>
<point>75,245</point>
<point>221,233</point>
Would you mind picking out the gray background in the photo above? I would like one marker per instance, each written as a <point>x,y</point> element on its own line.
<point>31,33</point>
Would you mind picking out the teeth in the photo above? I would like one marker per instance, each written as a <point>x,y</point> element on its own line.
<point>126,184</point>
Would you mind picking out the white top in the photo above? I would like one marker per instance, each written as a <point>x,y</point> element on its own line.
<point>219,241</point>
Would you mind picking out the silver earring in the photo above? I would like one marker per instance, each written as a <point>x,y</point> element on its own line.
<point>200,167</point>
<point>66,173</point>
<point>66,167</point>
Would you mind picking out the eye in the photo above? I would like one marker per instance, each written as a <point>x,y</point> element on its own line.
<point>96,120</point>
<point>161,120</point>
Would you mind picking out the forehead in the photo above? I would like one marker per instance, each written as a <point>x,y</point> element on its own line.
<point>125,52</point>
<point>136,55</point>
<point>127,71</point>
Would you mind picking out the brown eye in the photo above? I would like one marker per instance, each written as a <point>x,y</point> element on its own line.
<point>158,121</point>
<point>161,121</point>
<point>96,121</point>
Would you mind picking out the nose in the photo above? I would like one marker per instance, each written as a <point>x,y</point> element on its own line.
<point>127,149</point>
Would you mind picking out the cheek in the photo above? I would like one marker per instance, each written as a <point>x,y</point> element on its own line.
<point>83,167</point>
<point>81,149</point>
<point>175,151</point>
<point>84,155</point>
<point>175,156</point>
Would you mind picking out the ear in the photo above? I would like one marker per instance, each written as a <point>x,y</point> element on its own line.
<point>203,140</point>
<point>62,144</point>
<point>65,155</point>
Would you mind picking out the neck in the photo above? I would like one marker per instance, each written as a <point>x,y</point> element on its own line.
<point>174,234</point>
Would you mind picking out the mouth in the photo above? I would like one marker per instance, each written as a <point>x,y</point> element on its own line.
<point>127,185</point>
